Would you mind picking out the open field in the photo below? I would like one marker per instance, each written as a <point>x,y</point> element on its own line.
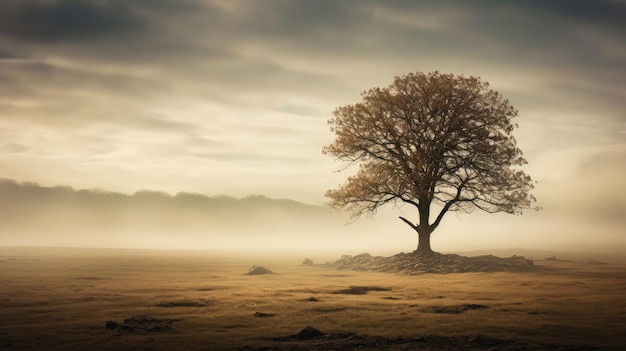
<point>60,299</point>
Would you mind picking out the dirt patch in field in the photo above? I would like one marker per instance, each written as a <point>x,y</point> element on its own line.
<point>413,263</point>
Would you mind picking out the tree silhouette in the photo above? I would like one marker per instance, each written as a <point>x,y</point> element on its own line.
<point>429,139</point>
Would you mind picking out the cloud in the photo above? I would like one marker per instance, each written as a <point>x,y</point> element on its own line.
<point>65,20</point>
<point>232,96</point>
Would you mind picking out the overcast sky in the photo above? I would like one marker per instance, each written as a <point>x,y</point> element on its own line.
<point>232,97</point>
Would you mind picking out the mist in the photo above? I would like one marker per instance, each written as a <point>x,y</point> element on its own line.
<point>35,215</point>
<point>61,216</point>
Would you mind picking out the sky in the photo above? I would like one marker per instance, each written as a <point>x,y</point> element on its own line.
<point>233,97</point>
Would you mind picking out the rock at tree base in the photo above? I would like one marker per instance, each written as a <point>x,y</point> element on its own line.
<point>258,270</point>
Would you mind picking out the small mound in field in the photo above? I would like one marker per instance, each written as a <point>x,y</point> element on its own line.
<point>360,290</point>
<point>309,333</point>
<point>307,262</point>
<point>594,262</point>
<point>458,309</point>
<point>419,263</point>
<point>258,270</point>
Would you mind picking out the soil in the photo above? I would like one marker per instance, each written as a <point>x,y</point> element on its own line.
<point>54,299</point>
<point>310,339</point>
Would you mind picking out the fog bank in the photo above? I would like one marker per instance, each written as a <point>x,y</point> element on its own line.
<point>35,215</point>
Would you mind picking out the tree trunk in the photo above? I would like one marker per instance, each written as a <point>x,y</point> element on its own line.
<point>424,229</point>
<point>423,245</point>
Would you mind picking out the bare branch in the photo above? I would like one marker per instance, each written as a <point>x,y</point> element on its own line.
<point>409,223</point>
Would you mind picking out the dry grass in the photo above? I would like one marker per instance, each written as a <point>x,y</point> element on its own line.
<point>61,299</point>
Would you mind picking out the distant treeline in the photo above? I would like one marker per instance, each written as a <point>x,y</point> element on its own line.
<point>28,205</point>
<point>33,192</point>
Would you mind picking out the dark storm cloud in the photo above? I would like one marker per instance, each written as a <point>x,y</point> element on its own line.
<point>211,49</point>
<point>554,29</point>
<point>519,29</point>
<point>5,54</point>
<point>183,37</point>
<point>609,13</point>
<point>65,20</point>
<point>112,31</point>
<point>214,28</point>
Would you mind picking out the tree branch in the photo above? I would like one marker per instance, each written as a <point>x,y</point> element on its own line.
<point>409,223</point>
<point>449,204</point>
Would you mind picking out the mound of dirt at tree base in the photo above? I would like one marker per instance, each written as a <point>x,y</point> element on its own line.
<point>417,263</point>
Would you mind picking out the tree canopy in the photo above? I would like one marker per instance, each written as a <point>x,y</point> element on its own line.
<point>430,138</point>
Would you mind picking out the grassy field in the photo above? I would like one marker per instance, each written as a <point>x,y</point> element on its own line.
<point>60,299</point>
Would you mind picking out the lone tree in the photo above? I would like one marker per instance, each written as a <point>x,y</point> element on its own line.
<point>430,139</point>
